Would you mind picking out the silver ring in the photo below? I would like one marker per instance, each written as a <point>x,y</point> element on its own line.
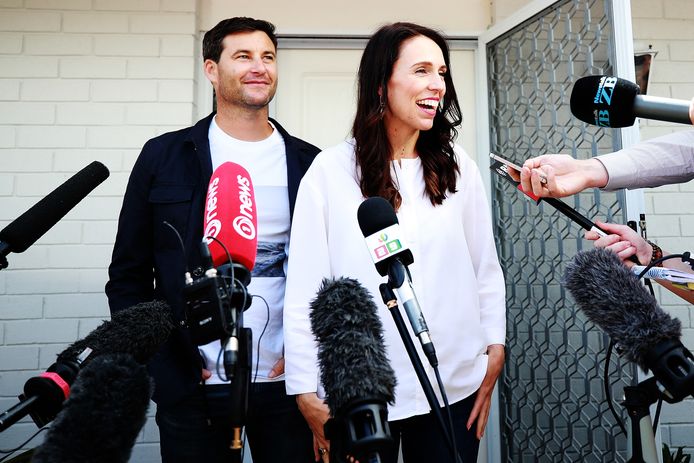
<point>322,451</point>
<point>543,179</point>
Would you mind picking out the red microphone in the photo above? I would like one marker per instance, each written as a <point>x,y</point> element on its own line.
<point>231,216</point>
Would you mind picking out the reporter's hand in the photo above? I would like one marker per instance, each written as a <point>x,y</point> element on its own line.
<point>559,175</point>
<point>206,374</point>
<point>315,413</point>
<point>623,241</point>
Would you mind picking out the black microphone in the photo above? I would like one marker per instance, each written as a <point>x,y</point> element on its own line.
<point>613,298</point>
<point>103,416</point>
<point>138,331</point>
<point>381,230</point>
<point>608,101</point>
<point>30,226</point>
<point>355,371</point>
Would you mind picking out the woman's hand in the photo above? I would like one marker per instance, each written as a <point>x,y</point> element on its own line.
<point>316,413</point>
<point>483,401</point>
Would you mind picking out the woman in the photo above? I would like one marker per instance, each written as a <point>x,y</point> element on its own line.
<point>403,151</point>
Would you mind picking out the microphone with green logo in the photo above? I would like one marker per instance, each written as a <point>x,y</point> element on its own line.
<point>383,237</point>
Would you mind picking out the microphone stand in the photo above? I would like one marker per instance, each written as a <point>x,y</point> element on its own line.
<point>637,400</point>
<point>390,300</point>
<point>238,352</point>
<point>240,385</point>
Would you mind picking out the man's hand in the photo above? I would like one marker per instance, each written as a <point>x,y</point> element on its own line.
<point>277,369</point>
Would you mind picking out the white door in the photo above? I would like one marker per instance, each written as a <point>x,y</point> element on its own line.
<point>316,93</point>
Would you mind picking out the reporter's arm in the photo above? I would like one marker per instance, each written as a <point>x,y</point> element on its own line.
<point>660,161</point>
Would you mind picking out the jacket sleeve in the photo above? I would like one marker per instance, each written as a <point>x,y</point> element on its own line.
<point>131,273</point>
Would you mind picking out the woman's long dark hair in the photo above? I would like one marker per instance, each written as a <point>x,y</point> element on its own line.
<point>373,150</point>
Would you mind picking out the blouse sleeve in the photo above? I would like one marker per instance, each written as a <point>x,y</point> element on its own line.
<point>479,234</point>
<point>308,265</point>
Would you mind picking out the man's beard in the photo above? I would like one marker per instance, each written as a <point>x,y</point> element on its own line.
<point>236,97</point>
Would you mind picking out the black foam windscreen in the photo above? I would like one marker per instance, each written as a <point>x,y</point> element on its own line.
<point>613,298</point>
<point>604,101</point>
<point>139,330</point>
<point>30,226</point>
<point>351,350</point>
<point>103,416</point>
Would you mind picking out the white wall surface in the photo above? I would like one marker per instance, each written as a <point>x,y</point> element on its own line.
<point>359,17</point>
<point>80,80</point>
<point>668,26</point>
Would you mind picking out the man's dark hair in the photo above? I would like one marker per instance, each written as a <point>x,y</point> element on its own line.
<point>212,41</point>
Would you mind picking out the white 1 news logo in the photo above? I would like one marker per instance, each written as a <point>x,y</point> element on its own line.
<point>243,223</point>
<point>214,225</point>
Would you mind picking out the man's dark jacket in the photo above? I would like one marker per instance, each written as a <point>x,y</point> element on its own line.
<point>169,184</point>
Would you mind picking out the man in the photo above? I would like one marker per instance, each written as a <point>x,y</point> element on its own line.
<point>169,184</point>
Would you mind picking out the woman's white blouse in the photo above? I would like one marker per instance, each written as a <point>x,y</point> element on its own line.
<point>456,274</point>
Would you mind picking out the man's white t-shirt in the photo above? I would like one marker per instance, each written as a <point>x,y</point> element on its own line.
<point>266,163</point>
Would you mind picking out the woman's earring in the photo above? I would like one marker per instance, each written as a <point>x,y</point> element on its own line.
<point>440,108</point>
<point>381,106</point>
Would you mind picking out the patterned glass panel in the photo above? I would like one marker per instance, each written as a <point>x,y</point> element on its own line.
<point>553,404</point>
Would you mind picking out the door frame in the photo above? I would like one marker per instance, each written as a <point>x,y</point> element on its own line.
<point>624,67</point>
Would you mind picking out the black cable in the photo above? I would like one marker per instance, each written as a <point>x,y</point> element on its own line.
<point>657,414</point>
<point>180,241</point>
<point>608,388</point>
<point>685,256</point>
<point>267,322</point>
<point>12,451</point>
<point>451,429</point>
<point>257,363</point>
<point>226,251</point>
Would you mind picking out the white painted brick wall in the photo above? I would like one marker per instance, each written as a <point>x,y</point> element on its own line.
<point>59,4</point>
<point>80,80</point>
<point>55,90</point>
<point>49,44</point>
<point>668,25</point>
